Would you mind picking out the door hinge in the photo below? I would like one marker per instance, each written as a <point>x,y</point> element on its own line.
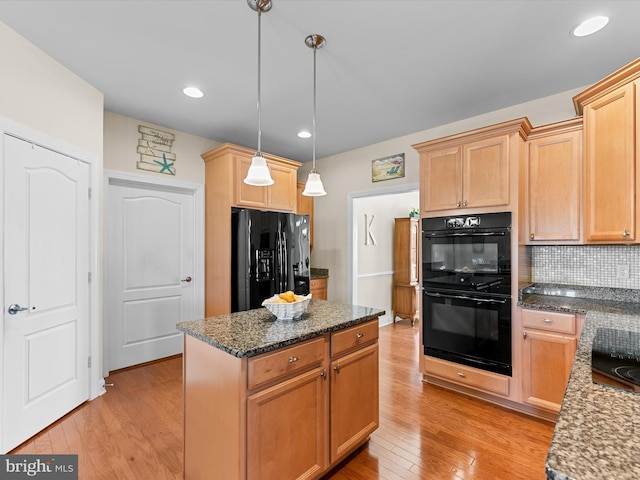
<point>89,362</point>
<point>89,277</point>
<point>89,193</point>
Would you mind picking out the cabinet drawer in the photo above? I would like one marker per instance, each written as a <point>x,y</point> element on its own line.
<point>353,337</point>
<point>282,363</point>
<point>469,376</point>
<point>550,321</point>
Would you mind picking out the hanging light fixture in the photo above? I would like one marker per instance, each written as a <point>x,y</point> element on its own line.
<point>314,187</point>
<point>258,173</point>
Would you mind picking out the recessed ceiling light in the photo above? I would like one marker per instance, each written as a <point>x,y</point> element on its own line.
<point>591,25</point>
<point>304,134</point>
<point>193,92</point>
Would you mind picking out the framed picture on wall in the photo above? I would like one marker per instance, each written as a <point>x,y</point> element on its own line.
<point>387,168</point>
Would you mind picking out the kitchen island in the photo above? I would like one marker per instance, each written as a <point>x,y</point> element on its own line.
<point>598,428</point>
<point>279,399</point>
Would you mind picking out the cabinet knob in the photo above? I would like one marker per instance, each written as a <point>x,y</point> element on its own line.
<point>461,374</point>
<point>625,234</point>
<point>336,368</point>
<point>532,236</point>
<point>293,359</point>
<point>464,204</point>
<point>458,204</point>
<point>546,320</point>
<point>524,334</point>
<point>359,335</point>
<point>323,374</point>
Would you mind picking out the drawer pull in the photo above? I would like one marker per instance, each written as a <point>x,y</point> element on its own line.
<point>293,359</point>
<point>336,368</point>
<point>546,320</point>
<point>461,374</point>
<point>323,374</point>
<point>359,335</point>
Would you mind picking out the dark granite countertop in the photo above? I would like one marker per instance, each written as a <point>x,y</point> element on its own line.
<point>319,273</point>
<point>597,433</point>
<point>245,334</point>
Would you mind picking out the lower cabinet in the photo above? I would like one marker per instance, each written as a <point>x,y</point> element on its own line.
<point>288,414</point>
<point>318,288</point>
<point>549,342</point>
<point>287,435</point>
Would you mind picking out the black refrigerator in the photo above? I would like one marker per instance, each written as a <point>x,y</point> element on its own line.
<point>269,254</point>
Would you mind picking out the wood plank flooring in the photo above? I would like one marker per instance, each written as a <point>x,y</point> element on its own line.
<point>134,431</point>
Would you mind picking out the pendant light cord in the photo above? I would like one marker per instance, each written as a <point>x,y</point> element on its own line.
<point>315,94</point>
<point>259,153</point>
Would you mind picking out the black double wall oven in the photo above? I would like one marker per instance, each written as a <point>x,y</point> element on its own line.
<point>466,303</point>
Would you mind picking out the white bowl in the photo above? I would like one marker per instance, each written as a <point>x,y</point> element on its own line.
<point>287,311</point>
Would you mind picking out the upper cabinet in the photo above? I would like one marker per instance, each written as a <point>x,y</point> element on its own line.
<point>552,183</point>
<point>279,196</point>
<point>610,109</point>
<point>472,169</point>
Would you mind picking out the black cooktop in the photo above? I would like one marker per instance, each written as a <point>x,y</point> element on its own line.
<point>615,358</point>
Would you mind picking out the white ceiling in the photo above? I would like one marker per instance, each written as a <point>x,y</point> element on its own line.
<point>389,68</point>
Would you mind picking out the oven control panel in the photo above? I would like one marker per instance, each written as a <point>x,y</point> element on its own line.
<point>462,222</point>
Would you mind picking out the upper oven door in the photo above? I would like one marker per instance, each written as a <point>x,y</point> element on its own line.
<point>476,258</point>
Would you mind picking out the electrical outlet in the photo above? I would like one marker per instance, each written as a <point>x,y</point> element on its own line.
<point>622,271</point>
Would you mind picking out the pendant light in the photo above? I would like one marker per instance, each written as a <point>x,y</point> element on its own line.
<point>314,187</point>
<point>258,173</point>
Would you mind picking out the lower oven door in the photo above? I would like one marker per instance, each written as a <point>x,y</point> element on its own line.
<point>468,328</point>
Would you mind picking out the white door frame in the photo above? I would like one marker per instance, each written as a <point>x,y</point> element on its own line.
<point>195,189</point>
<point>7,126</point>
<point>352,229</point>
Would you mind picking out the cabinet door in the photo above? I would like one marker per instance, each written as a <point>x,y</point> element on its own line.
<point>546,364</point>
<point>554,196</point>
<point>247,195</point>
<point>354,399</point>
<point>287,429</point>
<point>282,194</point>
<point>485,167</point>
<point>610,167</point>
<point>440,182</point>
<point>318,288</point>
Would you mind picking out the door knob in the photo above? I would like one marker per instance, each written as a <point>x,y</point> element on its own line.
<point>15,308</point>
<point>188,279</point>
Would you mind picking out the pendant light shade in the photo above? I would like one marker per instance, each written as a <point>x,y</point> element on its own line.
<point>314,187</point>
<point>258,173</point>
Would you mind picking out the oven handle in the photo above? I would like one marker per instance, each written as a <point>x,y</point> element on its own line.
<point>465,297</point>
<point>462,234</point>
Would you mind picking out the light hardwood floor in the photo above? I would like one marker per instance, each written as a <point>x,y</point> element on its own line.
<point>426,432</point>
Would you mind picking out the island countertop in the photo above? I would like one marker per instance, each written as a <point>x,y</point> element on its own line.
<point>598,427</point>
<point>250,333</point>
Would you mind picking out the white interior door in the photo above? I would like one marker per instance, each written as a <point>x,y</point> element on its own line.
<point>46,272</point>
<point>149,270</point>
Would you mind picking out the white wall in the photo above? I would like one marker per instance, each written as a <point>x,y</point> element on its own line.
<point>43,95</point>
<point>121,139</point>
<point>373,263</point>
<point>350,172</point>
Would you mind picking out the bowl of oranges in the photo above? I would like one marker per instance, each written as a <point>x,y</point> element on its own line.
<point>287,305</point>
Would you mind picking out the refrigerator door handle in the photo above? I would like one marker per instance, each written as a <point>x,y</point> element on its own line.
<point>285,262</point>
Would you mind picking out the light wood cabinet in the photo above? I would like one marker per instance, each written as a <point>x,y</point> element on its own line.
<point>553,181</point>
<point>287,429</point>
<point>611,129</point>
<point>549,342</point>
<point>289,414</point>
<point>305,207</point>
<point>225,169</point>
<point>472,169</point>
<point>318,288</point>
<point>406,238</point>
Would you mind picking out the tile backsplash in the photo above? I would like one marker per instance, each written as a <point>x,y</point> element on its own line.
<point>593,265</point>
